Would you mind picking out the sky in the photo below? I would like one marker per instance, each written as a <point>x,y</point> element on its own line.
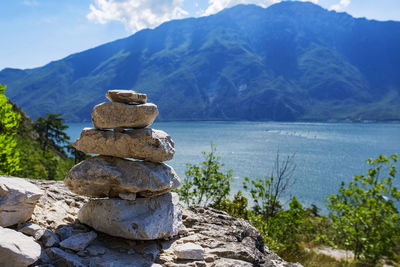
<point>35,32</point>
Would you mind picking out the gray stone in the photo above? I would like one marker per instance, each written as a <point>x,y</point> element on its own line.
<point>235,263</point>
<point>114,115</point>
<point>79,241</point>
<point>17,249</point>
<point>30,229</point>
<point>144,144</point>
<point>142,219</point>
<point>189,251</point>
<point>105,176</point>
<point>63,258</point>
<point>241,244</point>
<point>18,198</point>
<point>49,239</point>
<point>64,232</point>
<point>96,250</point>
<point>126,96</point>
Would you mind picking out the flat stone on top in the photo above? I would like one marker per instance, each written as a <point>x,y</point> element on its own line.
<point>105,176</point>
<point>112,115</point>
<point>141,219</point>
<point>126,96</point>
<point>144,144</point>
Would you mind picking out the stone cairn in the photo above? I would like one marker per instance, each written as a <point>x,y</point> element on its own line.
<point>130,198</point>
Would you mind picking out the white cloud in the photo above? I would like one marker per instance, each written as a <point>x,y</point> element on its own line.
<point>136,14</point>
<point>140,14</point>
<point>341,5</point>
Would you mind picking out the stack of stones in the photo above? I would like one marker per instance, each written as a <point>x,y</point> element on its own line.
<point>130,198</point>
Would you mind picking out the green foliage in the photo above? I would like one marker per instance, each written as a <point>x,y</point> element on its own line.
<point>51,132</point>
<point>364,213</point>
<point>282,232</point>
<point>265,202</point>
<point>36,163</point>
<point>9,123</point>
<point>266,192</point>
<point>238,207</point>
<point>364,217</point>
<point>206,184</point>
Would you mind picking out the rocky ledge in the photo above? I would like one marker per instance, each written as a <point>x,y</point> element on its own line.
<point>209,238</point>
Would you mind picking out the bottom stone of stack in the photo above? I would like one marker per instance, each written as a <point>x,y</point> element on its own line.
<point>141,219</point>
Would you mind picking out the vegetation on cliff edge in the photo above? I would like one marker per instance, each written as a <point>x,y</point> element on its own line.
<point>33,149</point>
<point>363,216</point>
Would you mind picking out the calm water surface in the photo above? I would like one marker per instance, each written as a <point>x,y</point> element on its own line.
<point>325,153</point>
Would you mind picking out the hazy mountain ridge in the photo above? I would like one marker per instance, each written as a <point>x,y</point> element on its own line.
<point>291,61</point>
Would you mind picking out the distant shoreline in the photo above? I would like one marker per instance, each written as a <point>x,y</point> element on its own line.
<point>269,121</point>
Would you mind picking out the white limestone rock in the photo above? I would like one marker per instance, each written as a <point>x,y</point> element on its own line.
<point>112,115</point>
<point>189,251</point>
<point>105,176</point>
<point>144,144</point>
<point>126,96</point>
<point>17,249</point>
<point>18,198</point>
<point>142,219</point>
<point>30,229</point>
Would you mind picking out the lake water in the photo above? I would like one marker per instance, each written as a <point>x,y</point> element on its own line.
<point>325,153</point>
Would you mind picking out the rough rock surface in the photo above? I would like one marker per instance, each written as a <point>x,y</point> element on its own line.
<point>105,176</point>
<point>30,229</point>
<point>17,200</point>
<point>79,241</point>
<point>126,96</point>
<point>144,144</point>
<point>189,251</point>
<point>142,219</point>
<point>118,115</point>
<point>17,249</point>
<point>49,239</point>
<point>226,241</point>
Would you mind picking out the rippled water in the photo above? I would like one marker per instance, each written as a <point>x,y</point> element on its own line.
<point>325,153</point>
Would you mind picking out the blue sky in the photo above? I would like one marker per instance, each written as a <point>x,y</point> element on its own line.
<point>35,32</point>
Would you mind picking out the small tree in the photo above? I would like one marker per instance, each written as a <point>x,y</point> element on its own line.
<point>266,192</point>
<point>9,123</point>
<point>205,184</point>
<point>236,207</point>
<point>364,214</point>
<point>51,132</point>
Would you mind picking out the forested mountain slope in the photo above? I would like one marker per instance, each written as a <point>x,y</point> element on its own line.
<point>291,61</point>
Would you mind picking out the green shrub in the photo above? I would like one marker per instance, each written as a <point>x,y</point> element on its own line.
<point>206,184</point>
<point>364,213</point>
<point>9,123</point>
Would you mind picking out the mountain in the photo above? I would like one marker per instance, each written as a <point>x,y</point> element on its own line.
<point>290,61</point>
